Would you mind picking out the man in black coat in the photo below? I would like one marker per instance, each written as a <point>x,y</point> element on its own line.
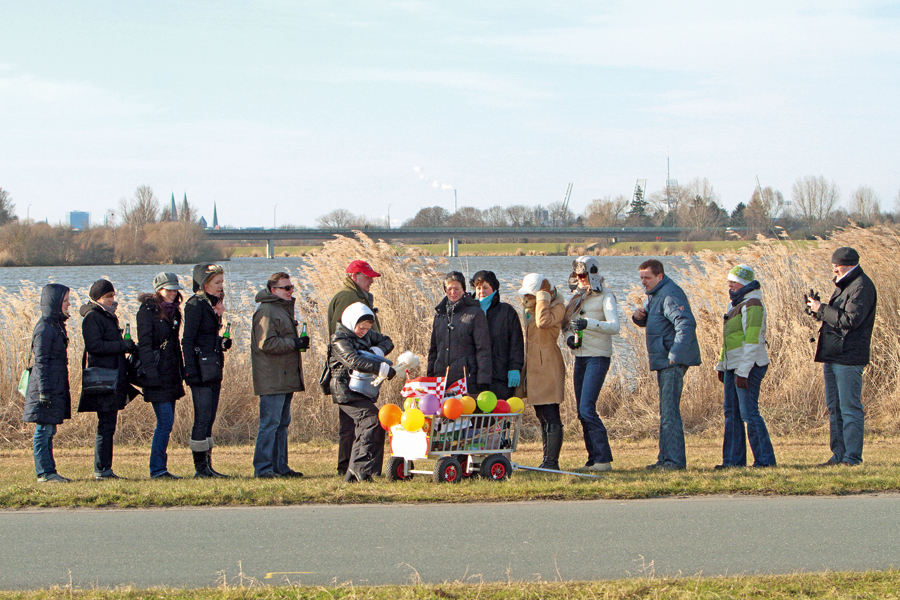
<point>844,340</point>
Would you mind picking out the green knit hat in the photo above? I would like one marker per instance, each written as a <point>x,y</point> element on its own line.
<point>741,274</point>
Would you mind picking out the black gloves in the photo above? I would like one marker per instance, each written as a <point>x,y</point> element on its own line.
<point>721,375</point>
<point>570,342</point>
<point>578,324</point>
<point>391,373</point>
<point>130,347</point>
<point>301,343</point>
<point>741,382</point>
<point>226,344</point>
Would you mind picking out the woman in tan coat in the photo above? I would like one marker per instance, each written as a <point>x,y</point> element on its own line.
<point>545,372</point>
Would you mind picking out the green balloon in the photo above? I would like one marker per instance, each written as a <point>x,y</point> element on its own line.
<point>487,401</point>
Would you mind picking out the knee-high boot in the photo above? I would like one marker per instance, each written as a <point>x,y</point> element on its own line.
<point>552,446</point>
<point>209,460</point>
<point>200,450</point>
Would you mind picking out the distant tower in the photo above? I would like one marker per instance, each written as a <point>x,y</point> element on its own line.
<point>215,224</point>
<point>173,214</point>
<point>203,222</point>
<point>185,209</point>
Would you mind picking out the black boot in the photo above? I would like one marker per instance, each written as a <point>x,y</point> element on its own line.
<point>201,464</point>
<point>543,445</point>
<point>553,446</point>
<point>209,466</point>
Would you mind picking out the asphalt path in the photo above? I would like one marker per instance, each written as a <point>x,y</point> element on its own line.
<point>396,543</point>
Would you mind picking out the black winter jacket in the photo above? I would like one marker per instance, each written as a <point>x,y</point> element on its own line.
<point>160,351</point>
<point>50,373</point>
<point>201,333</point>
<point>507,345</point>
<point>105,348</point>
<point>847,321</point>
<point>344,352</point>
<point>460,338</point>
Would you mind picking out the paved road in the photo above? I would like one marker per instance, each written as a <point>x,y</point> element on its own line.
<point>473,542</point>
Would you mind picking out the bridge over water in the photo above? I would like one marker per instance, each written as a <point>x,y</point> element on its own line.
<point>453,234</point>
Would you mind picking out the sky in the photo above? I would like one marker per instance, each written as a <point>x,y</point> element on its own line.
<point>279,111</point>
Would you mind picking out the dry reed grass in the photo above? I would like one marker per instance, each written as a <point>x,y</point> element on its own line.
<point>792,399</point>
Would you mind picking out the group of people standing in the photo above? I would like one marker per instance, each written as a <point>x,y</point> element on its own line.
<point>475,336</point>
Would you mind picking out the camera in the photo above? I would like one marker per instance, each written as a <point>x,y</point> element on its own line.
<point>811,295</point>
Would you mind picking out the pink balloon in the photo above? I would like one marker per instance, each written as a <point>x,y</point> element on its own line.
<point>430,404</point>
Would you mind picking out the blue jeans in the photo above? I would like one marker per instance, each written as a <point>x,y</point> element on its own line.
<point>165,417</point>
<point>843,397</point>
<point>589,375</point>
<point>742,406</point>
<point>271,441</point>
<point>43,449</point>
<point>671,430</point>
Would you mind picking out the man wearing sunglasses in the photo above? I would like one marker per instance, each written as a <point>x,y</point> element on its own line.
<point>277,373</point>
<point>360,276</point>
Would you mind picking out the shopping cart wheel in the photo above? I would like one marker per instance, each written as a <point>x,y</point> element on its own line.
<point>496,467</point>
<point>447,470</point>
<point>395,469</point>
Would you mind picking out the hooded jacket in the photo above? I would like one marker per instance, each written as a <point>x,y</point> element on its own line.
<point>507,344</point>
<point>276,362</point>
<point>47,399</point>
<point>160,351</point>
<point>848,319</point>
<point>744,336</point>
<point>460,338</point>
<point>345,357</point>
<point>349,293</point>
<point>201,331</point>
<point>105,348</point>
<point>671,328</point>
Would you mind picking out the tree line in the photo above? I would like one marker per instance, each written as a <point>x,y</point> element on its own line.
<point>140,231</point>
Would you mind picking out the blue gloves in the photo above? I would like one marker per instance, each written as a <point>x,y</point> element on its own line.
<point>513,378</point>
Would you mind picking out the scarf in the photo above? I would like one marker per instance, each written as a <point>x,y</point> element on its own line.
<point>574,305</point>
<point>170,307</point>
<point>738,296</point>
<point>486,302</point>
<point>110,309</point>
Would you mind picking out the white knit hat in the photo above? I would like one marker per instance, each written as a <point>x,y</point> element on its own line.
<point>531,284</point>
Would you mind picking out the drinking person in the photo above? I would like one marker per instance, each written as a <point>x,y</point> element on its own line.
<point>47,399</point>
<point>203,349</point>
<point>105,347</point>
<point>158,328</point>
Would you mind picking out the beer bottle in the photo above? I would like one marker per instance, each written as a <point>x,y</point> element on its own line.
<point>303,334</point>
<point>579,336</point>
<point>127,335</point>
<point>227,334</point>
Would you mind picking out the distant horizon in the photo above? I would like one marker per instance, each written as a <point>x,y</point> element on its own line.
<point>279,111</point>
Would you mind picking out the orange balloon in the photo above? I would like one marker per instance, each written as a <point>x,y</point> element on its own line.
<point>452,408</point>
<point>469,405</point>
<point>389,415</point>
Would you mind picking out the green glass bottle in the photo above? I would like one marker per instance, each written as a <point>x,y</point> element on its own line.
<point>127,336</point>
<point>227,334</point>
<point>303,334</point>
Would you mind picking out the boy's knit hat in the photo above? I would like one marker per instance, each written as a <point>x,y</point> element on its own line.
<point>741,274</point>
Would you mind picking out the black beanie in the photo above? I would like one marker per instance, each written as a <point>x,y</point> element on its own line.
<point>487,276</point>
<point>455,276</point>
<point>100,288</point>
<point>845,256</point>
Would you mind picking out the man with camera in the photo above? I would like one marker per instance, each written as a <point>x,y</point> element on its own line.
<point>844,340</point>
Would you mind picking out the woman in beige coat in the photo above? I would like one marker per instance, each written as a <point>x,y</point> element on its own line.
<point>545,372</point>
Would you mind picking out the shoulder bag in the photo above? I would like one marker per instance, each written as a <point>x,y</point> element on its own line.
<point>98,380</point>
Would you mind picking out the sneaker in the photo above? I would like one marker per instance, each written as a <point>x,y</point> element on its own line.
<point>587,466</point>
<point>105,477</point>
<point>598,467</point>
<point>165,475</point>
<point>53,478</point>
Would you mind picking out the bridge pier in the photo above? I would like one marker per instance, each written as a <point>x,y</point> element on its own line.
<point>453,247</point>
<point>270,248</point>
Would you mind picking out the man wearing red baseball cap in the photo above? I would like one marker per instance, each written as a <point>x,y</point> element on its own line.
<point>360,276</point>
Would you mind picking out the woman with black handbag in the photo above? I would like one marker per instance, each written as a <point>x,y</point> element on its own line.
<point>105,389</point>
<point>158,326</point>
<point>204,358</point>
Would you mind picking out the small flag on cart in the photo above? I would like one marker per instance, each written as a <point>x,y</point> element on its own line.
<point>422,385</point>
<point>458,389</point>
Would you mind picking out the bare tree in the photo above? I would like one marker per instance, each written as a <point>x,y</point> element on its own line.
<point>432,216</point>
<point>606,211</point>
<point>7,208</point>
<point>560,215</point>
<point>188,212</point>
<point>140,210</point>
<point>762,210</point>
<point>467,216</point>
<point>814,199</point>
<point>865,206</point>
<point>496,216</point>
<point>519,215</point>
<point>339,218</point>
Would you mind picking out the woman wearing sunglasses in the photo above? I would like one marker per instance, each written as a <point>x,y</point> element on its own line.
<point>593,318</point>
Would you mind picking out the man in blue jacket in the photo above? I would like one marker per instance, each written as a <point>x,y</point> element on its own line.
<point>672,347</point>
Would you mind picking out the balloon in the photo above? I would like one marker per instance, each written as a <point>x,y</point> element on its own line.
<point>468,403</point>
<point>515,404</point>
<point>452,408</point>
<point>410,403</point>
<point>502,407</point>
<point>412,419</point>
<point>389,415</point>
<point>429,404</point>
<point>487,401</point>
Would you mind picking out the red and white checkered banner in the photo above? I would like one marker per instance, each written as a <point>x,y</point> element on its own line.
<point>418,387</point>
